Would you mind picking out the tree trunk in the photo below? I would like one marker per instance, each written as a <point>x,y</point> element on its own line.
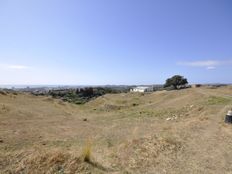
<point>175,87</point>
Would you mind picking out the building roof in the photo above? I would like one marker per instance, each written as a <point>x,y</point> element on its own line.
<point>142,87</point>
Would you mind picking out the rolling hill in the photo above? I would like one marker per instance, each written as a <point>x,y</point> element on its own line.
<point>180,131</point>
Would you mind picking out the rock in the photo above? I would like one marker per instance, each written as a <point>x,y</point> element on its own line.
<point>1,141</point>
<point>174,117</point>
<point>228,118</point>
<point>85,119</point>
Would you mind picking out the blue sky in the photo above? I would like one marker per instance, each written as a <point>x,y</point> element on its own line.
<point>84,42</point>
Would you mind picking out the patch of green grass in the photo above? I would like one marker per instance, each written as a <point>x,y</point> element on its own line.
<point>215,100</point>
<point>122,102</point>
<point>159,113</point>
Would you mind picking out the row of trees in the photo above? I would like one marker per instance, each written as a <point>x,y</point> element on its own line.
<point>83,95</point>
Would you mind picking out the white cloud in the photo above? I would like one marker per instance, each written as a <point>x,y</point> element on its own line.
<point>208,64</point>
<point>211,67</point>
<point>14,67</point>
<point>17,67</point>
<point>205,63</point>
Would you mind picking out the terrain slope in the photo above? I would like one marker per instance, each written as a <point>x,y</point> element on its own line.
<point>162,132</point>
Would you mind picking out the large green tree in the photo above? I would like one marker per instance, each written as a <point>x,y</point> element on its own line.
<point>176,81</point>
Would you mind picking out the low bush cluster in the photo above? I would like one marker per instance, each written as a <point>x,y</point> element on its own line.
<point>82,95</point>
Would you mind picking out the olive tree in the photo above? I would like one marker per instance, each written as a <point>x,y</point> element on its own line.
<point>176,82</point>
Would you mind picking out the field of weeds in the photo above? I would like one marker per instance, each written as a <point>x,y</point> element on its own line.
<point>163,132</point>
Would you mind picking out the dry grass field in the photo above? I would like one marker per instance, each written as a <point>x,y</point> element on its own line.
<point>165,132</point>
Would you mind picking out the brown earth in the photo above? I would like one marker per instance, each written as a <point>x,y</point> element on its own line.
<point>162,132</point>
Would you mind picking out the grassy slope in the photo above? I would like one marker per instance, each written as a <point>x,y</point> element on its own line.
<point>124,133</point>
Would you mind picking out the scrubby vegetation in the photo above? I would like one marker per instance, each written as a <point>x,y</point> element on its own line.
<point>83,95</point>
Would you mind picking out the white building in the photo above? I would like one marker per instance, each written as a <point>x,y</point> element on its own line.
<point>142,89</point>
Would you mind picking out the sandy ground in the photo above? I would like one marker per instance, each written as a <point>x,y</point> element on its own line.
<point>162,132</point>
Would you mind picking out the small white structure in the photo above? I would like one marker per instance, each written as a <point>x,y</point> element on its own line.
<point>142,89</point>
<point>229,112</point>
<point>228,118</point>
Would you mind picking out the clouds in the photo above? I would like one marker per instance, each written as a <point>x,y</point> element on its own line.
<point>211,67</point>
<point>14,67</point>
<point>18,67</point>
<point>207,64</point>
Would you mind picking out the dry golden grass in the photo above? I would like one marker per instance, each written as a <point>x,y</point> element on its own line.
<point>87,152</point>
<point>130,133</point>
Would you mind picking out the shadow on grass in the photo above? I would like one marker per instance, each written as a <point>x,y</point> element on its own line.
<point>99,166</point>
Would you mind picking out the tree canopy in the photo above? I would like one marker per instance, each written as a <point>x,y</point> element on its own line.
<point>176,82</point>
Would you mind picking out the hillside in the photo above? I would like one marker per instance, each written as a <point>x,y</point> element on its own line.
<point>162,132</point>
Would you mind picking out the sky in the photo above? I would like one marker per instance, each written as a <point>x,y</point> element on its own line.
<point>100,42</point>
